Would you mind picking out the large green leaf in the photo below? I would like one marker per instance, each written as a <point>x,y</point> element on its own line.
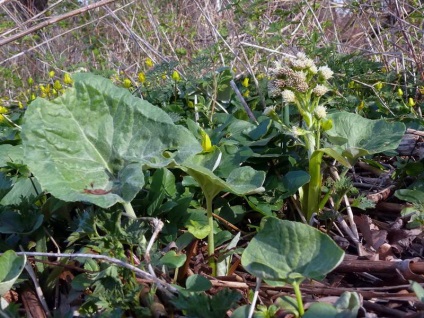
<point>9,153</point>
<point>97,138</point>
<point>240,181</point>
<point>284,252</point>
<point>360,136</point>
<point>11,266</point>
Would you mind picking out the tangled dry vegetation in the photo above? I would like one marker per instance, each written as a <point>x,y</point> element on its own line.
<point>119,35</point>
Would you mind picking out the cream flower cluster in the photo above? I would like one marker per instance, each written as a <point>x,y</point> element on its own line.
<point>298,74</point>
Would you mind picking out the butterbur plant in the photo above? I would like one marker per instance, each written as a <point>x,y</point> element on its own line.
<point>300,82</point>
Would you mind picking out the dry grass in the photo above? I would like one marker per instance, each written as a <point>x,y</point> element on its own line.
<point>120,35</point>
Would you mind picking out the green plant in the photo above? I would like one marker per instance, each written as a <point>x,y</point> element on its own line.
<point>290,253</point>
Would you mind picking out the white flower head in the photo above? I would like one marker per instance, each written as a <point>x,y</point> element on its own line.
<point>288,96</point>
<point>268,110</point>
<point>320,112</point>
<point>320,90</point>
<point>313,69</point>
<point>301,55</point>
<point>325,72</point>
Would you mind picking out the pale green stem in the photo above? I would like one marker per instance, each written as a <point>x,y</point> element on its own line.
<point>318,135</point>
<point>287,115</point>
<point>297,292</point>
<point>211,241</point>
<point>129,210</point>
<point>314,186</point>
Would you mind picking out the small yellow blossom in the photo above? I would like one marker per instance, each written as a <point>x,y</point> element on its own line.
<point>176,76</point>
<point>261,76</point>
<point>3,110</point>
<point>411,102</point>
<point>67,79</point>
<point>361,105</point>
<point>149,62</point>
<point>190,104</point>
<point>245,82</point>
<point>141,77</point>
<point>127,83</point>
<point>20,105</point>
<point>206,141</point>
<point>399,92</point>
<point>30,81</point>
<point>379,86</point>
<point>57,85</point>
<point>51,74</point>
<point>246,93</point>
<point>33,96</point>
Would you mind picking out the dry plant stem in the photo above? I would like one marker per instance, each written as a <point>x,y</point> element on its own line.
<point>38,289</point>
<point>243,102</point>
<point>157,225</point>
<point>255,297</point>
<point>255,80</point>
<point>335,175</point>
<point>54,20</point>
<point>163,286</point>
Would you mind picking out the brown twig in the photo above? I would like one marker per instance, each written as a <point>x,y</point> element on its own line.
<point>54,20</point>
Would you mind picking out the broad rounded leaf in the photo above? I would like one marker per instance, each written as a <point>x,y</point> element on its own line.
<point>91,143</point>
<point>198,283</point>
<point>285,251</point>
<point>11,266</point>
<point>359,136</point>
<point>173,260</point>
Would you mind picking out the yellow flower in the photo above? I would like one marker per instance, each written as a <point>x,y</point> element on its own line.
<point>3,110</point>
<point>361,105</point>
<point>57,85</point>
<point>206,141</point>
<point>51,74</point>
<point>141,77</point>
<point>379,85</point>
<point>149,62</point>
<point>127,83</point>
<point>67,79</point>
<point>411,102</point>
<point>246,93</point>
<point>30,81</point>
<point>399,92</point>
<point>245,82</point>
<point>33,96</point>
<point>176,76</point>
<point>261,76</point>
<point>21,106</point>
<point>190,104</point>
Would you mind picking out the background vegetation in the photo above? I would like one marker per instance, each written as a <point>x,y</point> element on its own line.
<point>210,66</point>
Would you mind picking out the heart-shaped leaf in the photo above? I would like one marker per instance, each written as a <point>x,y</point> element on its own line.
<point>92,143</point>
<point>285,252</point>
<point>359,136</point>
